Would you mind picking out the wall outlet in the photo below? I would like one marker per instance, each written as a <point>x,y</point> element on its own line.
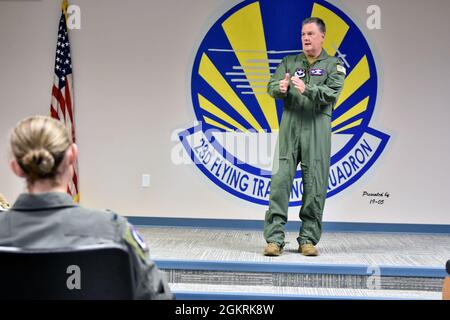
<point>145,180</point>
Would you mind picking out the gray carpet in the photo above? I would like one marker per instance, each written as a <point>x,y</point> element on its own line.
<point>375,249</point>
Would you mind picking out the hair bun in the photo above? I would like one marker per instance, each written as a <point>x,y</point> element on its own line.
<point>39,162</point>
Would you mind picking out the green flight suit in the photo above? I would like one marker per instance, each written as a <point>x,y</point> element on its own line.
<point>304,137</point>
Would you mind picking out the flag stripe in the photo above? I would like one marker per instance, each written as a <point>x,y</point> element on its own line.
<point>69,106</point>
<point>61,102</point>
<point>53,113</point>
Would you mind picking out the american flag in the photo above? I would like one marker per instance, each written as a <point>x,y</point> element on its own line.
<point>62,107</point>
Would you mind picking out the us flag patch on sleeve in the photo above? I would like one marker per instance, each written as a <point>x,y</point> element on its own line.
<point>137,237</point>
<point>341,69</point>
<point>137,243</point>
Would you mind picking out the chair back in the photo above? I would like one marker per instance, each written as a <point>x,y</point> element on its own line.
<point>87,272</point>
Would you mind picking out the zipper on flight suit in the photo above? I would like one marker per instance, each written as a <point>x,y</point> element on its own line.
<point>308,69</point>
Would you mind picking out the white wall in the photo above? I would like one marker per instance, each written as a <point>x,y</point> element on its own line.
<point>132,62</point>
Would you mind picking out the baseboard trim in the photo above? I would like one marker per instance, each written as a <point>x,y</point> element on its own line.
<point>290,226</point>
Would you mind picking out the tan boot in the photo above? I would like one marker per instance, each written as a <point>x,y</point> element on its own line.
<point>273,250</point>
<point>308,250</point>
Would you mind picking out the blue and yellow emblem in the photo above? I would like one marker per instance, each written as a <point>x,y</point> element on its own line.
<point>229,93</point>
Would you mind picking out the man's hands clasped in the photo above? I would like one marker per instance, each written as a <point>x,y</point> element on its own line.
<point>297,82</point>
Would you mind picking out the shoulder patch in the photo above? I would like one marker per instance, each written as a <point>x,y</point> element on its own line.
<point>341,69</point>
<point>134,239</point>
<point>138,239</point>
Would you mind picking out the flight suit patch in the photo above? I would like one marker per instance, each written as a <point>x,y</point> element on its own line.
<point>317,72</point>
<point>132,237</point>
<point>138,239</point>
<point>341,69</point>
<point>300,73</point>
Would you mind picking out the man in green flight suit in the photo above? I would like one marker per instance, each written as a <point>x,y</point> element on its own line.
<point>310,84</point>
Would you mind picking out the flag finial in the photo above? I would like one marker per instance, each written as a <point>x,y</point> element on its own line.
<point>64,6</point>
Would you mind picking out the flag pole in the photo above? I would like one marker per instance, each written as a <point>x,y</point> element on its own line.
<point>62,105</point>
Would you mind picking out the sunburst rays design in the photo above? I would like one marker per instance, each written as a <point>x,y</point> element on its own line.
<point>245,32</point>
<point>356,78</point>
<point>352,113</point>
<point>207,105</point>
<point>336,32</point>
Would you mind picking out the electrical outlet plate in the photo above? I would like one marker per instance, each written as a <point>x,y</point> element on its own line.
<point>145,180</point>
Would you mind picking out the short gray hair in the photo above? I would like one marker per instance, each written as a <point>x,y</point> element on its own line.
<point>319,22</point>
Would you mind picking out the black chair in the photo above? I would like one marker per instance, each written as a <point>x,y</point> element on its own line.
<point>88,272</point>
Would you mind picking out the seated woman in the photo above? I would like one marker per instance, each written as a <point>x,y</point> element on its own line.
<point>47,217</point>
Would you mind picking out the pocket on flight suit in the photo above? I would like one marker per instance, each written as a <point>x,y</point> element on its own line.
<point>280,156</point>
<point>320,80</point>
<point>324,110</point>
<point>281,166</point>
<point>319,193</point>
